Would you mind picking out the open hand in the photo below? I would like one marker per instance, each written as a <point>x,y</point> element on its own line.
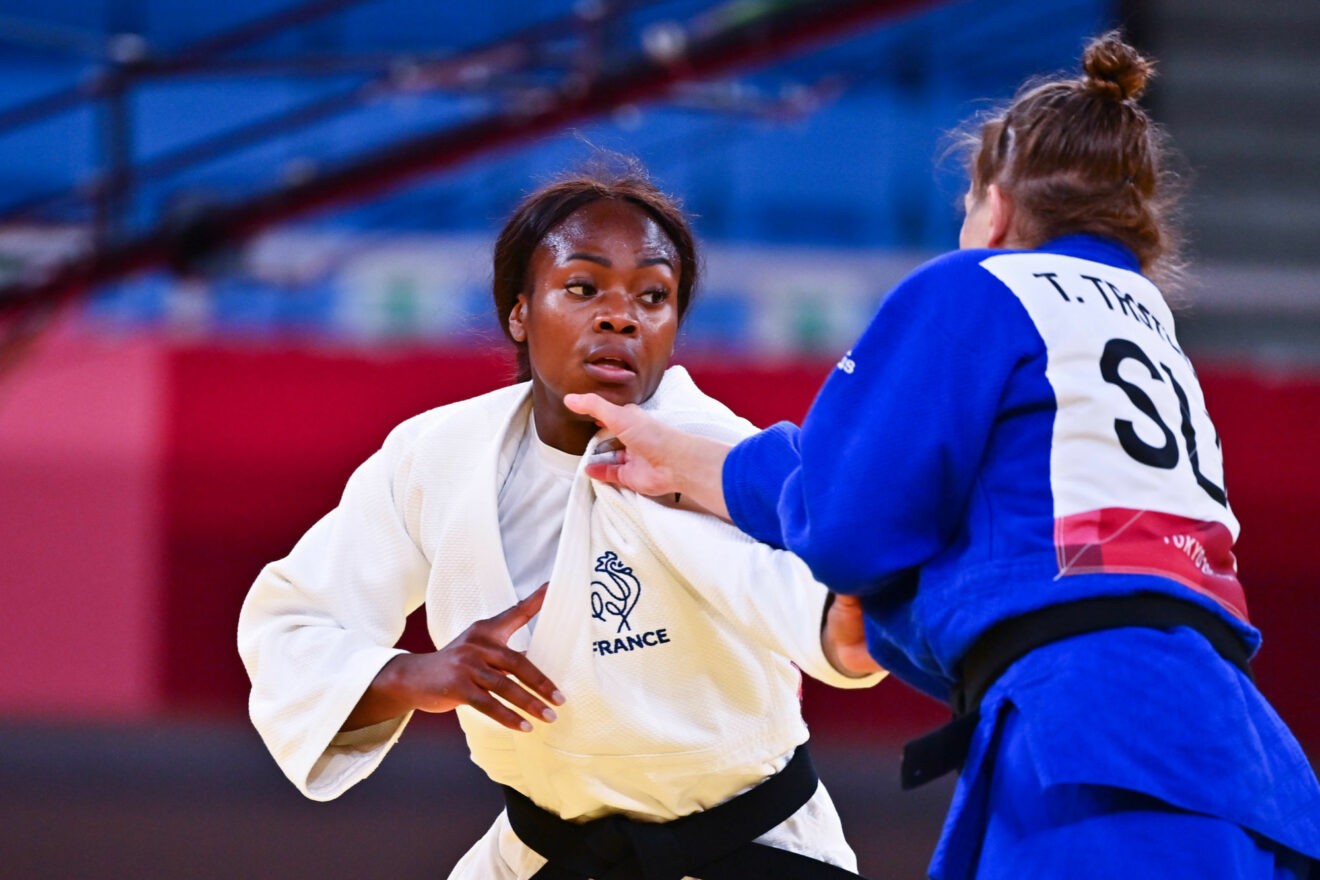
<point>473,670</point>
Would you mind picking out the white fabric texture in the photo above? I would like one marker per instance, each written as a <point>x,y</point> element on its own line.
<point>675,638</point>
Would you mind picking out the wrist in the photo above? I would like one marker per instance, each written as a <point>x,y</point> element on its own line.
<point>388,696</point>
<point>396,678</point>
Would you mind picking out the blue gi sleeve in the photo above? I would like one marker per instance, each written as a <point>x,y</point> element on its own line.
<point>876,481</point>
<point>753,483</point>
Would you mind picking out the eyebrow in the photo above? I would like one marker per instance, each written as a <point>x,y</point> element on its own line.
<point>601,261</point>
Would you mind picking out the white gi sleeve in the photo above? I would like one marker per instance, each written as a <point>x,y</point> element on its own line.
<point>318,625</point>
<point>766,593</point>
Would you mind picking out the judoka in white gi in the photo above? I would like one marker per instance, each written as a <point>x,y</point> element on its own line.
<point>660,677</point>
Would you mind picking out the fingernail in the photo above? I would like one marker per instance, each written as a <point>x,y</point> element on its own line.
<point>549,714</point>
<point>557,698</point>
<point>526,726</point>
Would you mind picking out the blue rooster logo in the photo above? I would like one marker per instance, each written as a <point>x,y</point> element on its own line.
<point>619,596</point>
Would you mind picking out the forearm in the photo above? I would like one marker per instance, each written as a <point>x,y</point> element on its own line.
<point>698,472</point>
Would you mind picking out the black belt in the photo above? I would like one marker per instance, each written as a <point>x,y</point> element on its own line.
<point>945,749</point>
<point>714,844</point>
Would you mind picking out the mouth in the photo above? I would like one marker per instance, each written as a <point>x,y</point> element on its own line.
<point>611,367</point>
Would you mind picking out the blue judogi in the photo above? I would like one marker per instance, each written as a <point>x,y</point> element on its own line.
<point>1020,429</point>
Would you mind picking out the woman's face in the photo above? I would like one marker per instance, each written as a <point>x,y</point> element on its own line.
<point>600,314</point>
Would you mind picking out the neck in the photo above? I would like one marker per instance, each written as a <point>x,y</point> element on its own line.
<point>558,426</point>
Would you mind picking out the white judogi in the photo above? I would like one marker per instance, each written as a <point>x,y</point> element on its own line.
<point>675,638</point>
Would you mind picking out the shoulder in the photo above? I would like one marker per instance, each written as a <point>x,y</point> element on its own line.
<point>950,276</point>
<point>952,298</point>
<point>679,402</point>
<point>474,417</point>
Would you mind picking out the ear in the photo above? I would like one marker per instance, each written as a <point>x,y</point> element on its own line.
<point>517,317</point>
<point>1001,215</point>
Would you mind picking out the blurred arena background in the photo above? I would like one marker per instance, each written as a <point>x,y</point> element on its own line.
<point>238,242</point>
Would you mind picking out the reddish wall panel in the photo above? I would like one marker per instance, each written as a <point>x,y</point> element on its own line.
<point>1269,426</point>
<point>80,569</point>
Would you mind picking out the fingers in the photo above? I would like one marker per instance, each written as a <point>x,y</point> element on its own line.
<point>510,675</point>
<point>600,409</point>
<point>495,693</point>
<point>528,688</point>
<point>606,472</point>
<point>610,445</point>
<point>843,637</point>
<point>621,421</point>
<point>518,615</point>
<point>475,670</point>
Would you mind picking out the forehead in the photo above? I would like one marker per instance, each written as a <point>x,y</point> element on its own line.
<point>607,224</point>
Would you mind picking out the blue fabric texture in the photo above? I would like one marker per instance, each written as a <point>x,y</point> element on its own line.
<point>1034,827</point>
<point>920,480</point>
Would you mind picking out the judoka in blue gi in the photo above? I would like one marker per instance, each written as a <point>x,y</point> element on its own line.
<point>1014,476</point>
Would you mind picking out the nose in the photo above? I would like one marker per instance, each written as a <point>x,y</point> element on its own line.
<point>615,314</point>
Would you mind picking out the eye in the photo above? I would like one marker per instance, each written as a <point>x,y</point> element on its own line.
<point>584,289</point>
<point>656,296</point>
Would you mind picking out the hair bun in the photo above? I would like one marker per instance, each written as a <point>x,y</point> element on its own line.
<point>1115,69</point>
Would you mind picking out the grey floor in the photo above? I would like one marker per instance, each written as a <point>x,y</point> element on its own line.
<point>203,800</point>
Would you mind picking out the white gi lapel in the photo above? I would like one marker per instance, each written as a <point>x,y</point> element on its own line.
<point>561,647</point>
<point>469,577</point>
<point>562,641</point>
<point>553,645</point>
